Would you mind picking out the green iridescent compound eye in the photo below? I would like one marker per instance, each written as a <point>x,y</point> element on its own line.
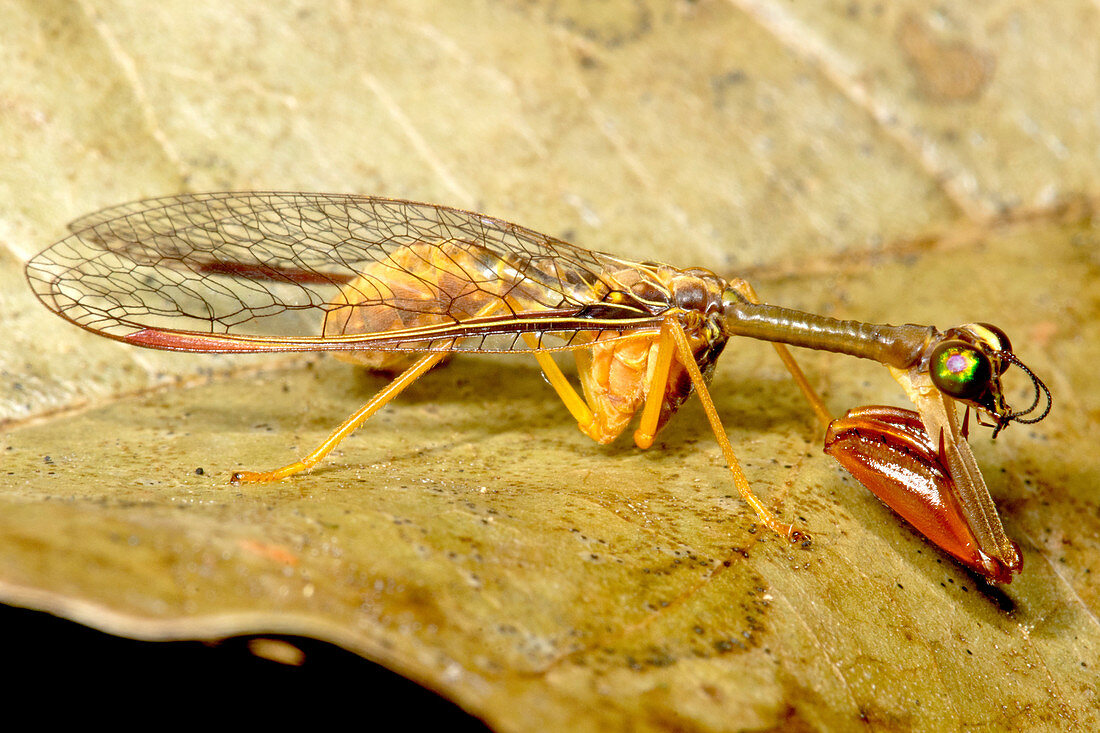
<point>960,370</point>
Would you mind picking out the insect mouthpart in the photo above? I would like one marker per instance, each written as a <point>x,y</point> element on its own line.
<point>1020,416</point>
<point>967,365</point>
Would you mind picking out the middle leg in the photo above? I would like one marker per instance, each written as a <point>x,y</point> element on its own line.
<point>681,344</point>
<point>748,293</point>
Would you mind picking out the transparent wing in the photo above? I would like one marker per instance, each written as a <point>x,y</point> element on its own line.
<point>260,271</point>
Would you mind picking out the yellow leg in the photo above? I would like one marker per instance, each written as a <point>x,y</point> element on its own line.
<point>683,349</point>
<point>349,426</point>
<point>576,405</point>
<point>655,398</point>
<point>818,405</point>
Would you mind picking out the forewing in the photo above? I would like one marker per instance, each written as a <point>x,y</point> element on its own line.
<point>294,271</point>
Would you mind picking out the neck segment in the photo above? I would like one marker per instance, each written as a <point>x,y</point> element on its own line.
<point>896,346</point>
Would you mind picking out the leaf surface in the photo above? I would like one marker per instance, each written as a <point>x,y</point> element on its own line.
<point>886,164</point>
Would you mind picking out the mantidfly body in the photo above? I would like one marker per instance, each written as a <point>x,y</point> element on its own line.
<point>398,286</point>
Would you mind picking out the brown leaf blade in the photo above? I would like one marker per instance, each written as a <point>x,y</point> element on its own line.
<point>468,536</point>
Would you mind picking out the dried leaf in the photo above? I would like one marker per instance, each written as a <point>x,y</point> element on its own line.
<point>884,164</point>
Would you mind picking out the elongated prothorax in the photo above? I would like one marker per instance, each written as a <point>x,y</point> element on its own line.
<point>897,346</point>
